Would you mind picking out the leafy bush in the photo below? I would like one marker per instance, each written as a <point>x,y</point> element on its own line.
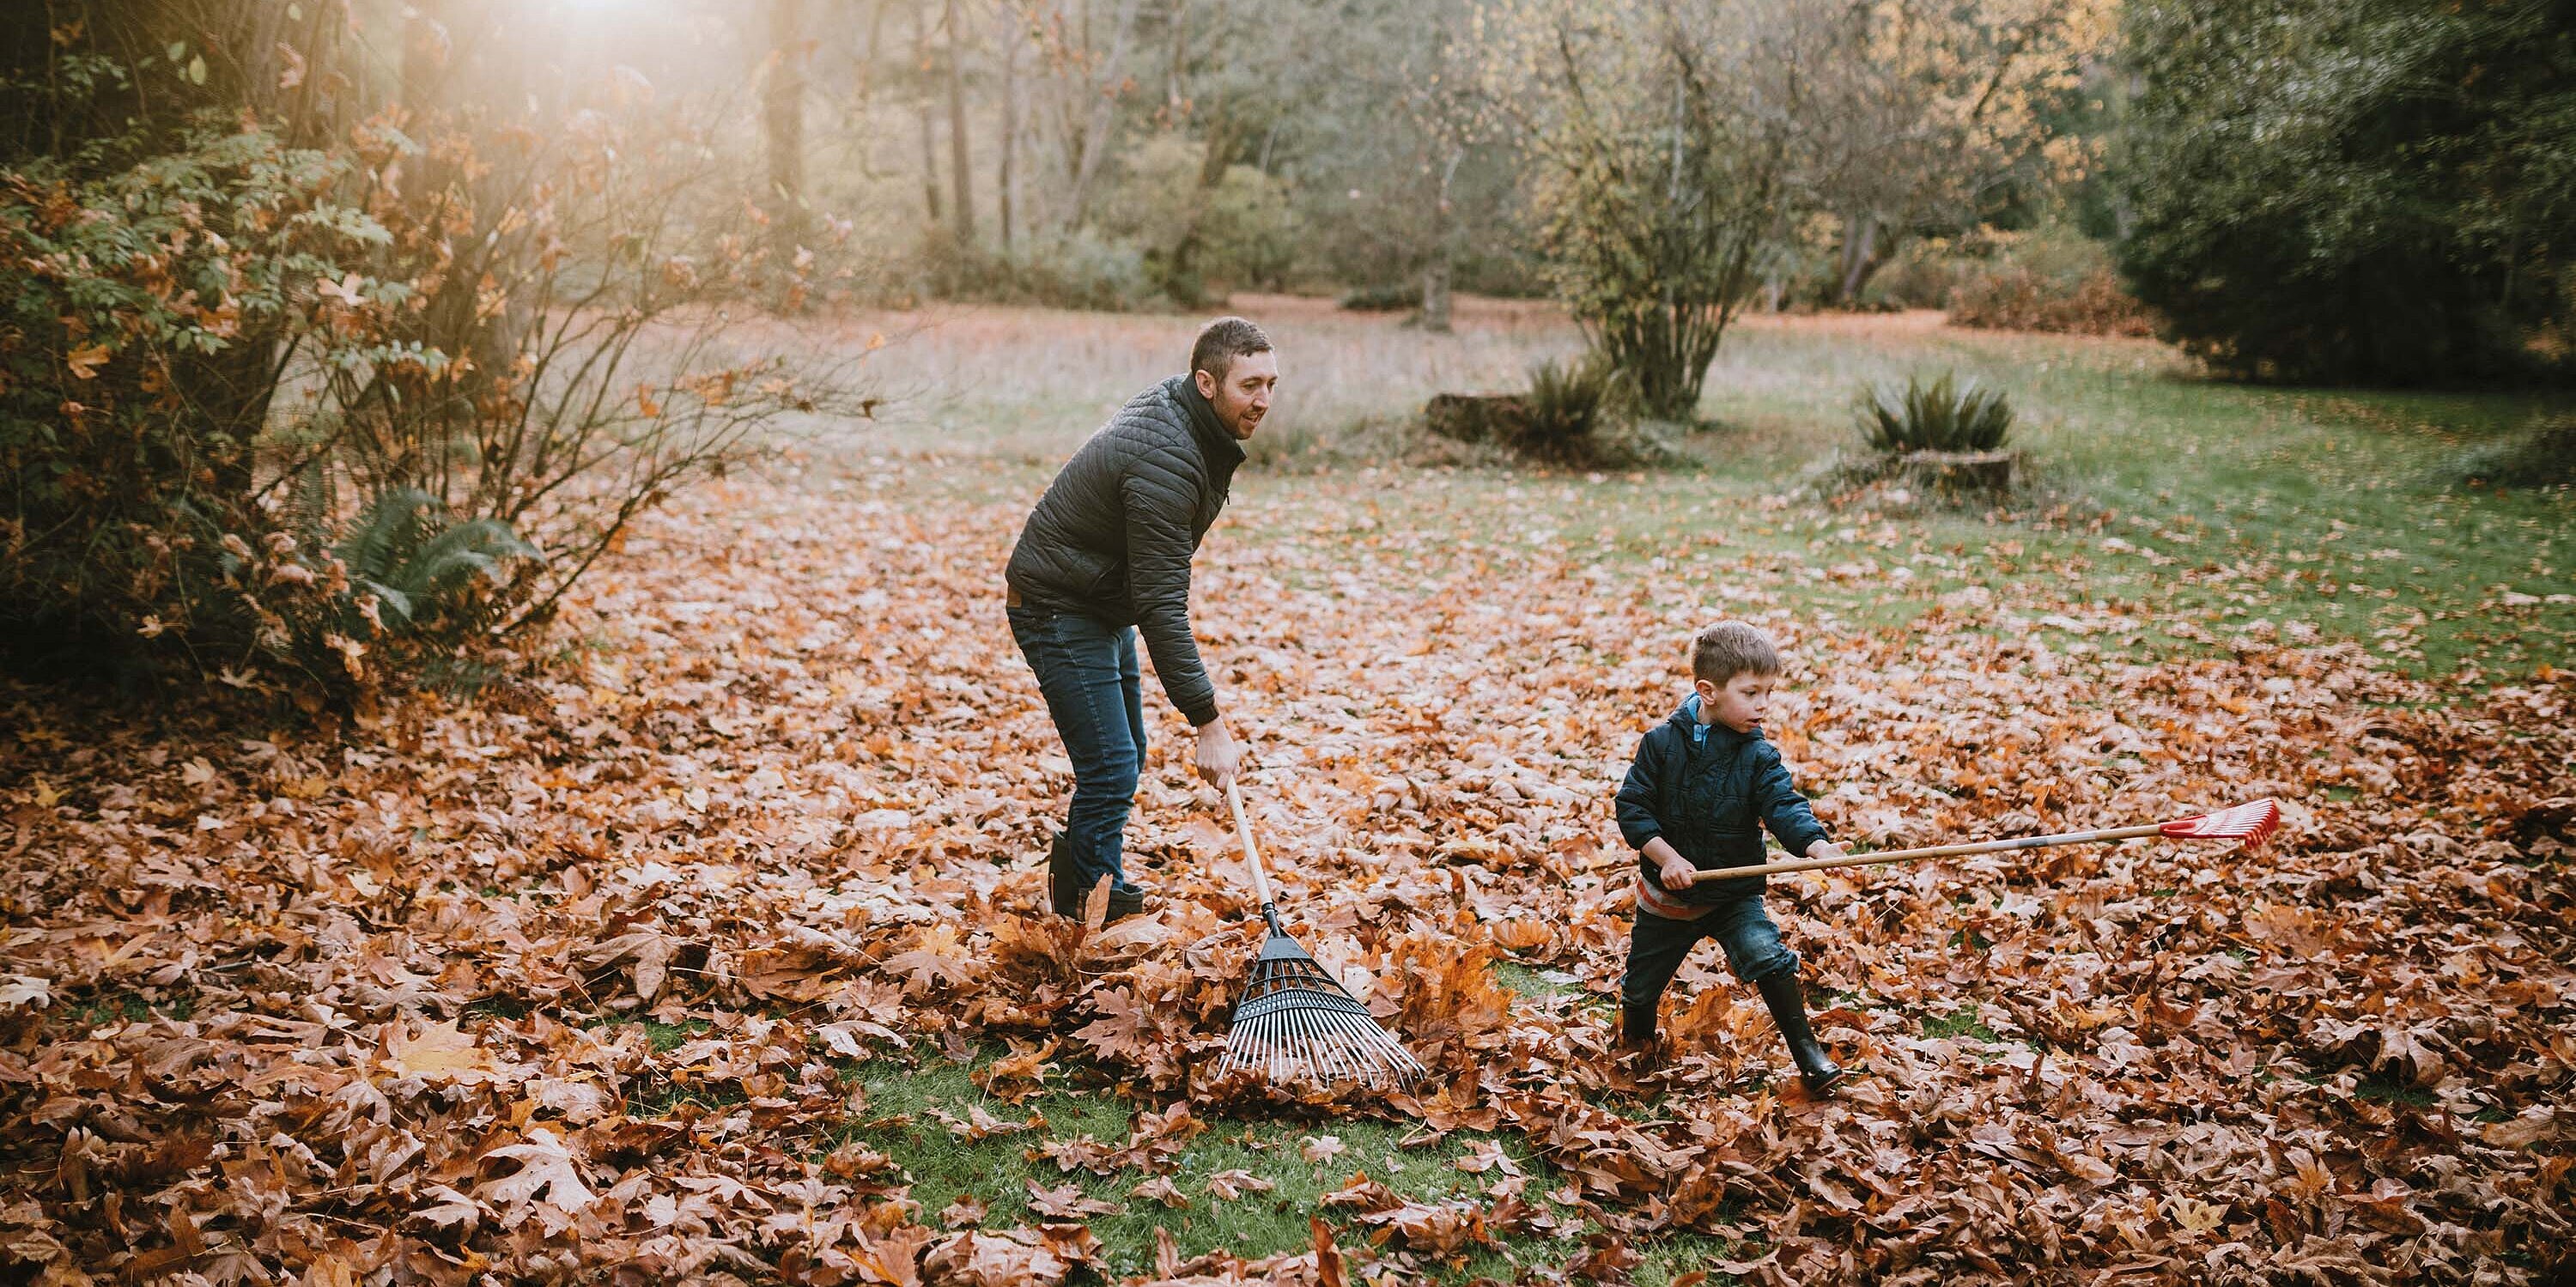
<point>491,340</point>
<point>1081,270</point>
<point>2352,190</point>
<point>2541,455</point>
<point>2012,298</point>
<point>140,333</point>
<point>1250,231</point>
<point>1663,170</point>
<point>2049,279</point>
<point>1940,416</point>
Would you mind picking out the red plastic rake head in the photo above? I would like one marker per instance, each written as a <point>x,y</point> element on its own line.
<point>2250,823</point>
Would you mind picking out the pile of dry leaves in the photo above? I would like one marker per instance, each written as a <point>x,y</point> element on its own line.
<point>327,1010</point>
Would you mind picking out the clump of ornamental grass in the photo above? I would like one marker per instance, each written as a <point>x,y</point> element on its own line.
<point>1943,415</point>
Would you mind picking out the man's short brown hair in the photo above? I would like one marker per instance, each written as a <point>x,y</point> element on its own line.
<point>1731,648</point>
<point>1222,341</point>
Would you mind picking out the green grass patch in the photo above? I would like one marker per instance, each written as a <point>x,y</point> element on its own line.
<point>1526,981</point>
<point>1958,1023</point>
<point>129,1007</point>
<point>996,1171</point>
<point>2381,1088</point>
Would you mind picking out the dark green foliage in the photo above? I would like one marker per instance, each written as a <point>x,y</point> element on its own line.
<point>1386,297</point>
<point>2542,455</point>
<point>2381,191</point>
<point>1941,416</point>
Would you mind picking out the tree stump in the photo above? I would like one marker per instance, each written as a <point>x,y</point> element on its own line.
<point>1960,473</point>
<point>1477,417</point>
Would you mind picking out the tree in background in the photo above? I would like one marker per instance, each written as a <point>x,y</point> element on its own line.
<point>782,122</point>
<point>1663,137</point>
<point>1917,116</point>
<point>2380,191</point>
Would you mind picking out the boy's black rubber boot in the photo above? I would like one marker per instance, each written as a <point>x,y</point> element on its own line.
<point>1636,1030</point>
<point>1124,903</point>
<point>1787,998</point>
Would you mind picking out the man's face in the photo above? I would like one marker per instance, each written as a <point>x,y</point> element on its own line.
<point>1242,398</point>
<point>1739,702</point>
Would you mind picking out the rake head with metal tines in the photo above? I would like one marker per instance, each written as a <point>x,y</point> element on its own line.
<point>1294,1021</point>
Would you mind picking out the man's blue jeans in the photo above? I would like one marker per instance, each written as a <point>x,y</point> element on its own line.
<point>1088,673</point>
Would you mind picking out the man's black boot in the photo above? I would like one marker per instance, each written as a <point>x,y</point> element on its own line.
<point>1787,998</point>
<point>1064,883</point>
<point>1124,903</point>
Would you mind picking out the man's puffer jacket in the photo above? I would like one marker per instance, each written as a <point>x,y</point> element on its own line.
<point>1113,536</point>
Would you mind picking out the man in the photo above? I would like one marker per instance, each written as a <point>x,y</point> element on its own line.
<point>1107,553</point>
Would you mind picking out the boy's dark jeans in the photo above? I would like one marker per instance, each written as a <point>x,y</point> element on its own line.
<point>1656,946</point>
<point>1088,673</point>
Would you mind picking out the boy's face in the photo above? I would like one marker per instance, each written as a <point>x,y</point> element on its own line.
<point>1738,703</point>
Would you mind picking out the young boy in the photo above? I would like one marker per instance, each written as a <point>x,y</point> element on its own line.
<point>1704,784</point>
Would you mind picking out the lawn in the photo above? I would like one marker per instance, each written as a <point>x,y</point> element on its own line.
<point>2228,511</point>
<point>708,943</point>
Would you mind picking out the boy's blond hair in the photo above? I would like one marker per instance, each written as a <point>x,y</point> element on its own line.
<point>1730,648</point>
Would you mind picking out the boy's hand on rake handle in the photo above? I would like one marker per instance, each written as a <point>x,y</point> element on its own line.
<point>1672,870</point>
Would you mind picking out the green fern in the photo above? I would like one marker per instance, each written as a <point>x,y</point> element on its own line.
<point>1940,416</point>
<point>419,566</point>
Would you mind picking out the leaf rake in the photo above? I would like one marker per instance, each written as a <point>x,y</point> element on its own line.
<point>1294,1021</point>
<point>2247,824</point>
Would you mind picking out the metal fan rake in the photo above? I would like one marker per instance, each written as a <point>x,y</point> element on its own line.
<point>1295,1021</point>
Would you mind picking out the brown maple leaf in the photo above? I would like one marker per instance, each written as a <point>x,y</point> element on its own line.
<point>1226,1186</point>
<point>965,1212</point>
<point>936,954</point>
<point>1066,1202</point>
<point>1126,1029</point>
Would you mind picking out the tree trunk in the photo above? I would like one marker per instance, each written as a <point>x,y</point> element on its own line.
<point>1860,256</point>
<point>959,171</point>
<point>783,137</point>
<point>1182,281</point>
<point>1093,143</point>
<point>1005,181</point>
<point>1435,278</point>
<point>922,113</point>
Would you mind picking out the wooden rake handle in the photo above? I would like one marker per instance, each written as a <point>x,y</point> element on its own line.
<point>1935,851</point>
<point>1251,851</point>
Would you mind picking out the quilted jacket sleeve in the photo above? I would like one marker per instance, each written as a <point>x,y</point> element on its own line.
<point>1783,810</point>
<point>1160,495</point>
<point>1638,793</point>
